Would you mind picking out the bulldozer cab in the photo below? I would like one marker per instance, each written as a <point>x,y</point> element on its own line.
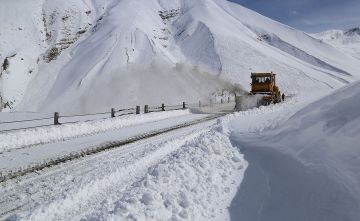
<point>263,92</point>
<point>262,83</point>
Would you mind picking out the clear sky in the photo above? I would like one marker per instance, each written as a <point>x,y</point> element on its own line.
<point>309,15</point>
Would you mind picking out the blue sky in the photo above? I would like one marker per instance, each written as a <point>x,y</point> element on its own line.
<point>309,15</point>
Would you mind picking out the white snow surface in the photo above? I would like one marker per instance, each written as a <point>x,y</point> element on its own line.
<point>122,52</point>
<point>300,162</point>
<point>49,134</point>
<point>347,41</point>
<point>306,168</point>
<point>94,54</point>
<point>192,174</point>
<point>30,30</point>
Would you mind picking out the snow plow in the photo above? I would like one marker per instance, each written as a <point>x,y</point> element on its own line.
<point>264,91</point>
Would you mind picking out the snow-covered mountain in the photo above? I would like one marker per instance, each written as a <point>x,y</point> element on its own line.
<point>85,55</point>
<point>347,41</point>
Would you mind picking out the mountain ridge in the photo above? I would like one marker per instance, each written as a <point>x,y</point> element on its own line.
<point>347,40</point>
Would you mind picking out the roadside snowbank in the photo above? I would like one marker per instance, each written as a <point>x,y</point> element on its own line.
<point>192,176</point>
<point>35,136</point>
<point>197,182</point>
<point>306,169</point>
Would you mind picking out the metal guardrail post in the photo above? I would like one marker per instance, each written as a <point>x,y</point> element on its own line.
<point>1,103</point>
<point>56,118</point>
<point>137,109</point>
<point>184,105</point>
<point>163,107</point>
<point>112,112</point>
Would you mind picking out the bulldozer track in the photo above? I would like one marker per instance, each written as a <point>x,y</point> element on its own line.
<point>99,148</point>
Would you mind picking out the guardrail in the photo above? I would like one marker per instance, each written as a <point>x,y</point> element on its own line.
<point>58,119</point>
<point>21,171</point>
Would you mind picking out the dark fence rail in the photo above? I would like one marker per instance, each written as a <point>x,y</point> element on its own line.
<point>27,120</point>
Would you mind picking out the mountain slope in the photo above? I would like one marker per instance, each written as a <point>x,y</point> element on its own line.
<point>347,41</point>
<point>153,51</point>
<point>33,34</point>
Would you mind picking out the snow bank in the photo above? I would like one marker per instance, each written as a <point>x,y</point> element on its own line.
<point>306,169</point>
<point>28,137</point>
<point>191,175</point>
<point>257,120</point>
<point>196,182</point>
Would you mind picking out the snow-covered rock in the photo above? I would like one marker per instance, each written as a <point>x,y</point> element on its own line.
<point>33,34</point>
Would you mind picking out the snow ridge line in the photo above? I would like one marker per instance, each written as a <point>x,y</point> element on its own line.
<point>96,149</point>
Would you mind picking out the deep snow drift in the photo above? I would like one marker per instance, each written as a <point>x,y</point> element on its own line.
<point>87,43</point>
<point>306,169</point>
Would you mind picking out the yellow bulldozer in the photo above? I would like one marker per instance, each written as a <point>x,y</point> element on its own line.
<point>263,92</point>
